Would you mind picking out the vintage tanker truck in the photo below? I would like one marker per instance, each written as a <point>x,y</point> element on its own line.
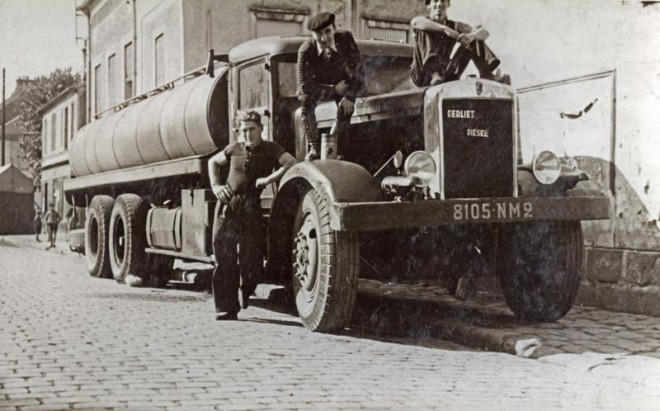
<point>462,205</point>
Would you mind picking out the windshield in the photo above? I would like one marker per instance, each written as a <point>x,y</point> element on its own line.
<point>382,74</point>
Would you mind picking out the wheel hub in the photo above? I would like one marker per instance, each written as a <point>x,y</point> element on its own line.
<point>305,256</point>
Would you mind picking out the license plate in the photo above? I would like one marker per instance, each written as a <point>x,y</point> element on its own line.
<point>492,211</point>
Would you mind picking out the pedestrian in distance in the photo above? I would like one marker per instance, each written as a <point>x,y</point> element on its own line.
<point>52,219</point>
<point>38,216</point>
<point>435,38</point>
<point>329,68</point>
<point>239,229</point>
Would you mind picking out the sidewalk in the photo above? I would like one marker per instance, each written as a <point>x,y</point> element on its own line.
<point>29,240</point>
<point>485,322</point>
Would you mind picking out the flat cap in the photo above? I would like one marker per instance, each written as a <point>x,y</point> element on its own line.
<point>249,116</point>
<point>320,21</point>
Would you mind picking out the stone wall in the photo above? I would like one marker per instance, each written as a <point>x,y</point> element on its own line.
<point>621,280</point>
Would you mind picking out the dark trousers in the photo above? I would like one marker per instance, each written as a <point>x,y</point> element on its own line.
<point>239,245</point>
<point>308,104</point>
<point>429,62</point>
<point>52,233</point>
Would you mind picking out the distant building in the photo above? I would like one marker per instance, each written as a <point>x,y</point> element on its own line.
<point>16,201</point>
<point>61,118</point>
<point>14,130</point>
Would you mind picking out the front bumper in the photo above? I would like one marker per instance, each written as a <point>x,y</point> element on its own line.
<point>387,215</point>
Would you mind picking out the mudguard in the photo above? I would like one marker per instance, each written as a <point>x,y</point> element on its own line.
<point>336,181</point>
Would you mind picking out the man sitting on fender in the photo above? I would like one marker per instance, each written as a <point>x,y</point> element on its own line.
<point>435,38</point>
<point>329,67</point>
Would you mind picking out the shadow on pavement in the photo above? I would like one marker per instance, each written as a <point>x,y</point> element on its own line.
<point>153,296</point>
<point>381,319</point>
<point>273,321</point>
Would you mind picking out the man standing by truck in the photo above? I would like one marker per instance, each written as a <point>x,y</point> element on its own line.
<point>435,38</point>
<point>239,231</point>
<point>329,67</point>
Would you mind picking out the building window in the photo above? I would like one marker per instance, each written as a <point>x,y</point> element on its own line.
<point>112,81</point>
<point>53,131</point>
<point>46,131</point>
<point>277,22</point>
<point>128,71</point>
<point>386,30</point>
<point>159,59</point>
<point>97,89</point>
<point>74,123</point>
<point>66,128</point>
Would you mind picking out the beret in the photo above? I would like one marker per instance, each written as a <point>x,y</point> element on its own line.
<point>320,21</point>
<point>249,116</point>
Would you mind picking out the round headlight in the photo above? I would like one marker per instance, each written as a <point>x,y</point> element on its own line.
<point>546,167</point>
<point>421,167</point>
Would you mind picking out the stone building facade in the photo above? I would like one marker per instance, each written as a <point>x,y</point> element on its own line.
<point>137,45</point>
<point>61,118</point>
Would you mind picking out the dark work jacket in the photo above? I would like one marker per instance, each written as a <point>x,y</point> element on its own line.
<point>315,73</point>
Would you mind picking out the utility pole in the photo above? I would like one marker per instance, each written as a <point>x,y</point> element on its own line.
<point>3,116</point>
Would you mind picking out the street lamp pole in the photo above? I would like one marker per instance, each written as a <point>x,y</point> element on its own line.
<point>3,116</point>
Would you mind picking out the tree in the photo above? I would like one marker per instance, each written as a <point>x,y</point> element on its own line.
<point>38,92</point>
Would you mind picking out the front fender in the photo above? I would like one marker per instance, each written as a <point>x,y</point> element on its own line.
<point>336,181</point>
<point>339,181</point>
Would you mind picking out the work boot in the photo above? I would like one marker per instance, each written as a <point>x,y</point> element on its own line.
<point>226,316</point>
<point>499,77</point>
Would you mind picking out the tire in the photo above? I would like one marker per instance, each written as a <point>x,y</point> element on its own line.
<point>97,233</point>
<point>541,268</point>
<point>127,239</point>
<point>325,267</point>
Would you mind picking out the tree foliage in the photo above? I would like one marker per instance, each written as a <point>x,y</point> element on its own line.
<point>38,92</point>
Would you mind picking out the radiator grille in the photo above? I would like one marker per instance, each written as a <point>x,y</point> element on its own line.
<point>478,148</point>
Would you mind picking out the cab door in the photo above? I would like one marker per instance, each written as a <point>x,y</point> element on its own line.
<point>254,93</point>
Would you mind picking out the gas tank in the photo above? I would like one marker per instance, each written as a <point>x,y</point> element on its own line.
<point>187,120</point>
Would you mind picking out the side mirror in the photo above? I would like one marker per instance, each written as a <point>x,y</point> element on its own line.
<point>397,159</point>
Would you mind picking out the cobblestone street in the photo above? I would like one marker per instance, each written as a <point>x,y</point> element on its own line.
<point>69,341</point>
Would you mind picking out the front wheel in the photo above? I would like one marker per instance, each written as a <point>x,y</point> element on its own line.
<point>325,267</point>
<point>541,268</point>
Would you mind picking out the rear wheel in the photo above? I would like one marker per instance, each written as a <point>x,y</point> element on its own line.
<point>97,228</point>
<point>541,268</point>
<point>325,267</point>
<point>127,239</point>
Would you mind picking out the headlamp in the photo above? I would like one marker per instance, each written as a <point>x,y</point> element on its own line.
<point>421,167</point>
<point>546,167</point>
